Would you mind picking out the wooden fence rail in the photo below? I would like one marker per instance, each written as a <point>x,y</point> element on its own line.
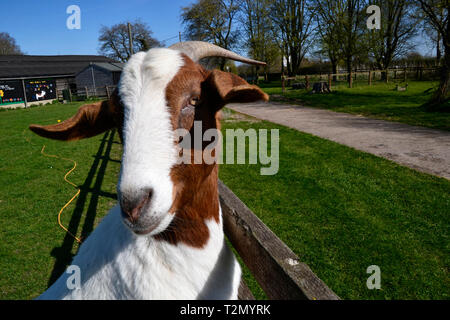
<point>364,72</point>
<point>386,75</point>
<point>277,269</point>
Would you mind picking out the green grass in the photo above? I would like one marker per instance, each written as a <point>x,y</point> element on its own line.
<point>341,210</point>
<point>338,209</point>
<point>378,101</point>
<point>33,248</point>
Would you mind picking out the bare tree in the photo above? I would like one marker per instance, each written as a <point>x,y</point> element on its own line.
<point>397,29</point>
<point>345,18</point>
<point>292,21</point>
<point>212,21</point>
<point>114,41</point>
<point>434,35</point>
<point>353,18</point>
<point>436,12</point>
<point>8,44</point>
<point>257,27</point>
<point>327,31</point>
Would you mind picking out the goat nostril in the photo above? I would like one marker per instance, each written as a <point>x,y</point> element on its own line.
<point>133,206</point>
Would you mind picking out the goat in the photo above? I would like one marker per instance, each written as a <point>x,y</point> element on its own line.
<point>164,239</point>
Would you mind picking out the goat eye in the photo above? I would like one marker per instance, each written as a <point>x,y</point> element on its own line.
<point>194,101</point>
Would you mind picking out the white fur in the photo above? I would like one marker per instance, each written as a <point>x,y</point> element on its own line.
<point>149,151</point>
<point>115,263</point>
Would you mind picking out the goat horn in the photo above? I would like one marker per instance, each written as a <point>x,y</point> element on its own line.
<point>197,50</point>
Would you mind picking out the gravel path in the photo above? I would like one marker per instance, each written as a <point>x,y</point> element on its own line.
<point>420,148</point>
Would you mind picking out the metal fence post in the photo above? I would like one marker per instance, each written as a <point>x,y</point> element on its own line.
<point>24,93</point>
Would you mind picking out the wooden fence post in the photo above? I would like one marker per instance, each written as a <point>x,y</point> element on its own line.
<point>350,80</point>
<point>370,77</point>
<point>329,81</point>
<point>387,75</point>
<point>87,92</point>
<point>107,91</point>
<point>307,82</point>
<point>70,94</point>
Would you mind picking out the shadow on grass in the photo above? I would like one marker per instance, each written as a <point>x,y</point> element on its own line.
<point>63,253</point>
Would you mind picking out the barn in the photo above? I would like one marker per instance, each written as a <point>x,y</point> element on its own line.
<point>27,79</point>
<point>98,77</point>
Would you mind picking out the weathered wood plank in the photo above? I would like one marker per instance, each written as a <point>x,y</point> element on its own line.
<point>276,268</point>
<point>244,292</point>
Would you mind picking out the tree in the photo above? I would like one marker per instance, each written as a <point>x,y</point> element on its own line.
<point>8,44</point>
<point>346,19</point>
<point>326,35</point>
<point>397,29</point>
<point>257,27</point>
<point>114,41</point>
<point>353,18</point>
<point>434,35</point>
<point>431,10</point>
<point>292,20</point>
<point>212,21</point>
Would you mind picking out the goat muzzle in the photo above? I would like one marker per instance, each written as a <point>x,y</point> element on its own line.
<point>133,205</point>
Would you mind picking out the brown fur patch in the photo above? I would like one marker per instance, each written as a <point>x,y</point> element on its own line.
<point>196,196</point>
<point>90,120</point>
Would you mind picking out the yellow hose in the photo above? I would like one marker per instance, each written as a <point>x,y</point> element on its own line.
<point>71,183</point>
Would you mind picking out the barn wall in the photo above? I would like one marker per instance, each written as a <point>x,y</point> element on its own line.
<point>102,78</point>
<point>62,84</point>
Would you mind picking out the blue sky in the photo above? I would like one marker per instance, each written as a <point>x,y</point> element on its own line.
<point>39,27</point>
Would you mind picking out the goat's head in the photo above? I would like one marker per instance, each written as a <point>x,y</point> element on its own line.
<point>160,91</point>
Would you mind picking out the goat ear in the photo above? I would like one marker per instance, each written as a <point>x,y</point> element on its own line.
<point>90,120</point>
<point>232,88</point>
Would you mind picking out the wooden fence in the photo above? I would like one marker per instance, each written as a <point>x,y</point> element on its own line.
<point>277,269</point>
<point>397,74</point>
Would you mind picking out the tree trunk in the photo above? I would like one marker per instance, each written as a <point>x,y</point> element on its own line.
<point>349,70</point>
<point>441,94</point>
<point>438,50</point>
<point>334,70</point>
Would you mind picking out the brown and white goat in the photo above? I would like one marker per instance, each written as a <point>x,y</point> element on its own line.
<point>164,240</point>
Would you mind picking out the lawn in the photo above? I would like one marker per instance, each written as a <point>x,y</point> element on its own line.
<point>378,101</point>
<point>341,210</point>
<point>338,209</point>
<point>34,250</point>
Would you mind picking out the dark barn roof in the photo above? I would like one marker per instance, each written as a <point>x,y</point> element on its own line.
<point>17,66</point>
<point>109,66</point>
